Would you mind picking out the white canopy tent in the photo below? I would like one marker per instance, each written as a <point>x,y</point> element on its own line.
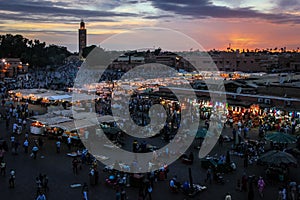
<point>72,126</point>
<point>60,97</point>
<point>65,113</point>
<point>52,95</point>
<point>50,119</point>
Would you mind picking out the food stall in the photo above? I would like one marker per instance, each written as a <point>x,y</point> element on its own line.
<point>37,128</point>
<point>41,95</point>
<point>41,123</point>
<point>75,129</point>
<point>53,131</point>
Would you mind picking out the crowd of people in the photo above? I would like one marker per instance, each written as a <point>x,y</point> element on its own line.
<point>60,78</point>
<point>15,117</point>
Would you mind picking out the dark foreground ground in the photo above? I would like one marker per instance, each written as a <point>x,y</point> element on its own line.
<point>58,167</point>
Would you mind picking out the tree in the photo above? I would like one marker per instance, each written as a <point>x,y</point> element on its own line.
<point>34,52</point>
<point>87,50</point>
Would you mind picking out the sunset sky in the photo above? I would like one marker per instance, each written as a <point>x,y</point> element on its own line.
<point>212,23</point>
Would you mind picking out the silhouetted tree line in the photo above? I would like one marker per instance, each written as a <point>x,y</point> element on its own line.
<point>33,52</point>
<point>87,50</point>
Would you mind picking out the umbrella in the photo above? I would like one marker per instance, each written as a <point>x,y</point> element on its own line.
<point>277,157</point>
<point>281,137</point>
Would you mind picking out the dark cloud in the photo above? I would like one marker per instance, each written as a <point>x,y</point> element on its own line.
<point>290,5</point>
<point>40,31</point>
<point>44,10</point>
<point>70,11</point>
<point>157,16</point>
<point>50,18</point>
<point>205,8</point>
<point>295,20</point>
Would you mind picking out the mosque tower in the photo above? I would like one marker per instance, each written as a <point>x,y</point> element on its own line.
<point>81,36</point>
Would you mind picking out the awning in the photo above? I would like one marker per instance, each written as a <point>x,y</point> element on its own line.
<point>47,120</point>
<point>108,119</point>
<point>60,97</point>
<point>95,118</point>
<point>72,125</point>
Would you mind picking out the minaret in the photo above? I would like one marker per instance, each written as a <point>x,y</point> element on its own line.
<point>81,37</point>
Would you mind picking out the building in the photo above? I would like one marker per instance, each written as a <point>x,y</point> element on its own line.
<point>81,36</point>
<point>11,67</point>
<point>127,62</point>
<point>256,61</point>
<point>289,62</point>
<point>226,61</point>
<point>236,61</point>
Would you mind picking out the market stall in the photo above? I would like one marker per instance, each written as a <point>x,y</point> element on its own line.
<point>39,124</point>
<point>42,96</point>
<point>53,131</point>
<point>37,128</point>
<point>73,128</point>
